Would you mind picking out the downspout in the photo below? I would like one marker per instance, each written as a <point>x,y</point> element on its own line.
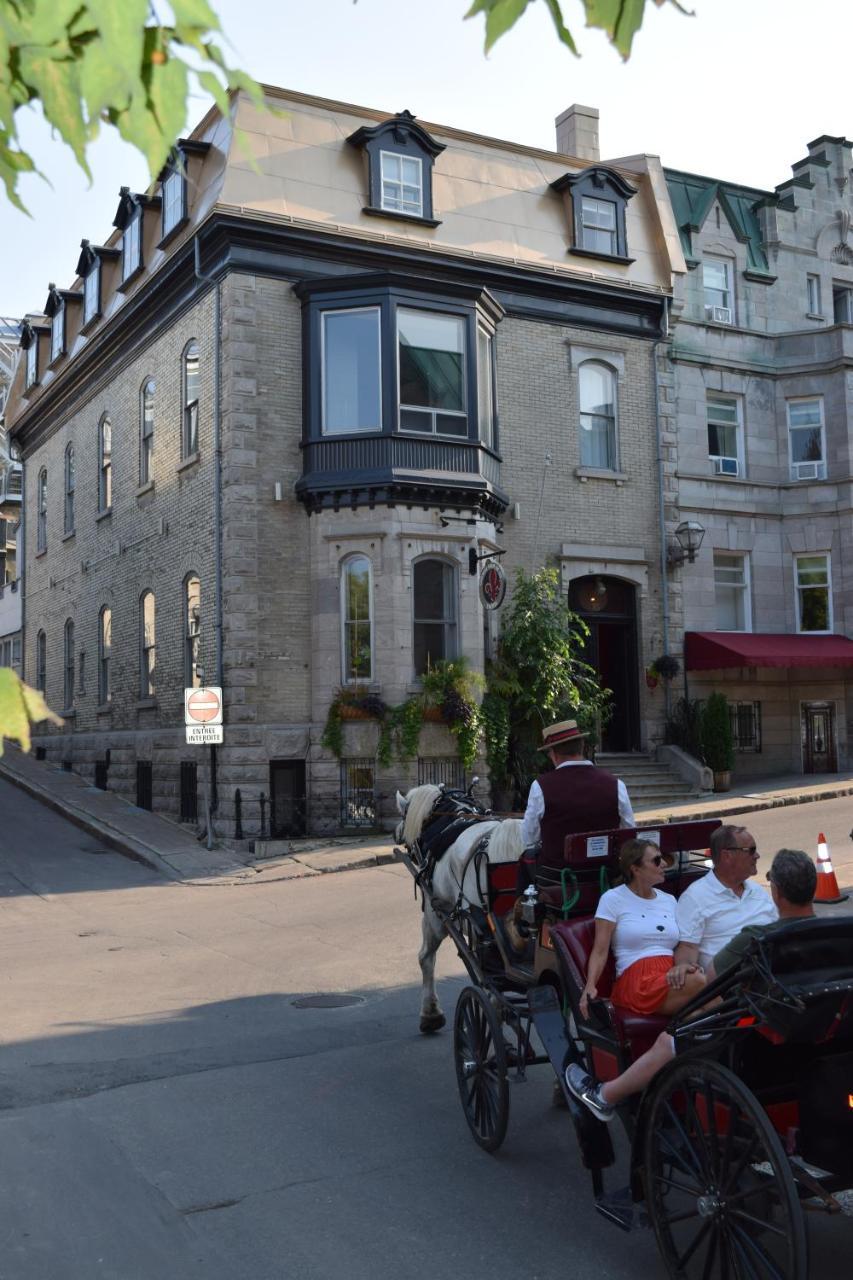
<point>217,498</point>
<point>22,568</point>
<point>664,568</point>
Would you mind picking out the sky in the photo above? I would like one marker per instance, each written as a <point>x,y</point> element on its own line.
<point>735,91</point>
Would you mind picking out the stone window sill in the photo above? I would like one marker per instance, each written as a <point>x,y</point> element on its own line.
<point>41,553</point>
<point>397,216</point>
<point>105,709</point>
<point>129,280</point>
<point>172,232</point>
<point>148,487</point>
<point>601,473</point>
<point>189,461</point>
<point>72,533</point>
<point>102,515</point>
<point>813,315</point>
<point>602,257</point>
<point>68,714</point>
<point>88,325</point>
<point>146,704</point>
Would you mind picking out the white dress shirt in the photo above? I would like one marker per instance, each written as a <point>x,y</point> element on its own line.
<point>531,826</point>
<point>709,913</point>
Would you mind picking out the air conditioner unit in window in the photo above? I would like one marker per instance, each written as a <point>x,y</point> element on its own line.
<point>719,315</point>
<point>808,471</point>
<point>726,466</point>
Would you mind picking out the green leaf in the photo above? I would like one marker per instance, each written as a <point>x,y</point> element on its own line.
<point>562,30</point>
<point>500,16</point>
<point>53,75</point>
<point>194,13</point>
<point>120,36</point>
<point>20,706</point>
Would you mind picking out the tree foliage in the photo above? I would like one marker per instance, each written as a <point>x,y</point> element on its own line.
<point>96,62</point>
<point>20,707</point>
<point>619,19</point>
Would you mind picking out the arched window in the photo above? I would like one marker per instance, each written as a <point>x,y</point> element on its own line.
<point>69,489</point>
<point>192,632</point>
<point>105,646</point>
<point>41,662</point>
<point>147,645</point>
<point>146,429</point>
<point>434,599</point>
<point>597,393</point>
<point>105,464</point>
<point>189,434</point>
<point>356,619</point>
<point>69,665</point>
<point>41,512</point>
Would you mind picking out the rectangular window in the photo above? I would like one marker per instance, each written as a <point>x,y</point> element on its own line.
<point>16,651</point>
<point>731,592</point>
<point>69,666</point>
<point>172,194</point>
<point>842,304</point>
<point>441,770</point>
<point>745,718</point>
<point>724,434</point>
<point>105,647</point>
<point>434,591</point>
<point>131,246</point>
<point>806,439</point>
<point>105,472</point>
<point>485,387</point>
<point>356,618</point>
<point>358,793</point>
<point>814,593</point>
<point>716,281</point>
<point>352,398</point>
<point>148,646</point>
<point>598,225</point>
<point>813,295</point>
<point>431,357</point>
<point>192,388</point>
<point>402,184</point>
<point>92,293</point>
<point>57,334</point>
<point>32,361</point>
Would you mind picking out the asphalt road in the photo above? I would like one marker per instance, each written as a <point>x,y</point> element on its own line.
<point>168,1113</point>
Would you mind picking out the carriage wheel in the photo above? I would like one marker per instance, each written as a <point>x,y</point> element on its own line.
<point>480,1054</point>
<point>719,1188</point>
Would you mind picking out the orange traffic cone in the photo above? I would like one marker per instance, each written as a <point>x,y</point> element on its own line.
<point>827,885</point>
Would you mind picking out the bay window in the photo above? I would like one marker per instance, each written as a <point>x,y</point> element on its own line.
<point>352,395</point>
<point>431,355</point>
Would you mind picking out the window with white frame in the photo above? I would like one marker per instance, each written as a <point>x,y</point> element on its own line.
<point>70,484</point>
<point>131,246</point>
<point>92,292</point>
<point>192,632</point>
<point>814,593</point>
<point>598,225</point>
<point>717,285</point>
<point>485,387</point>
<point>597,398</point>
<point>105,464</point>
<point>105,649</point>
<point>724,434</point>
<point>32,372</point>
<point>41,662</point>
<point>57,332</point>
<point>351,371</point>
<point>356,619</point>
<point>434,599</point>
<point>431,363</point>
<point>842,304</point>
<point>147,645</point>
<point>813,295</point>
<point>402,184</point>
<point>806,439</point>
<point>68,683</point>
<point>41,511</point>
<point>146,430</point>
<point>172,192</point>
<point>192,383</point>
<point>732,610</point>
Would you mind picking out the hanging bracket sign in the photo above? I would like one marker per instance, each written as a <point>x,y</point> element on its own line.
<point>492,585</point>
<point>203,716</point>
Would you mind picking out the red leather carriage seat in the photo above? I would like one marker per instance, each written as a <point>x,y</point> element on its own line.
<point>573,941</point>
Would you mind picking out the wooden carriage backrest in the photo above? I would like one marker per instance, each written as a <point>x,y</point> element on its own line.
<point>597,848</point>
<point>573,941</point>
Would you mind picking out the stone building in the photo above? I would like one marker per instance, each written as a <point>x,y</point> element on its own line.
<point>762,356</point>
<point>10,508</point>
<point>330,355</point>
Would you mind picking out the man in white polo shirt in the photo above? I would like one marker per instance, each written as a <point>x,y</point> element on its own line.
<point>712,910</point>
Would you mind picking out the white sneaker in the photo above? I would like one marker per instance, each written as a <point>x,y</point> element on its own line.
<point>584,1088</point>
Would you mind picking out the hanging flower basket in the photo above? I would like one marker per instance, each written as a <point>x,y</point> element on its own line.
<point>433,715</point>
<point>651,679</point>
<point>348,711</point>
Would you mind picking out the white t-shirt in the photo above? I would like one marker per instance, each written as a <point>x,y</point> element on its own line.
<point>710,914</point>
<point>644,926</point>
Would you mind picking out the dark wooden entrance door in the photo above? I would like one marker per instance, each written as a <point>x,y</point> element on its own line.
<point>608,607</point>
<point>818,733</point>
<point>287,798</point>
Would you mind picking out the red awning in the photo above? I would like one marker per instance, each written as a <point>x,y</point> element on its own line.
<point>710,650</point>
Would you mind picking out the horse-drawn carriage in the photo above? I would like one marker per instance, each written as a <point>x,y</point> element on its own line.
<point>750,1124</point>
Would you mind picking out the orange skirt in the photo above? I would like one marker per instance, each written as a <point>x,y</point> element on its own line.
<point>643,986</point>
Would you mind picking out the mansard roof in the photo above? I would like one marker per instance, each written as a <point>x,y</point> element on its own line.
<point>693,197</point>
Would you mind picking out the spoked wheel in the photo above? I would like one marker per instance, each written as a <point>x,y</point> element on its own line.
<point>480,1053</point>
<point>718,1184</point>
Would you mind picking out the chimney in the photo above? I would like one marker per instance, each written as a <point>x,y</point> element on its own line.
<point>577,132</point>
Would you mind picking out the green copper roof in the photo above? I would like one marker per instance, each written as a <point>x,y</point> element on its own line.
<point>692,199</point>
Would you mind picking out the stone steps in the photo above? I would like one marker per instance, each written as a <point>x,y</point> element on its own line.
<point>649,782</point>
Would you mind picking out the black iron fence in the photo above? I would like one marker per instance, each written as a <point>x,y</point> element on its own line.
<point>745,720</point>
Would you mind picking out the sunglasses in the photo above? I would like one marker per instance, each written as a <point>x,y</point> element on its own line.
<point>751,849</point>
<point>656,861</point>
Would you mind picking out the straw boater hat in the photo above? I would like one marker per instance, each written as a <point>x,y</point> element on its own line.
<point>553,735</point>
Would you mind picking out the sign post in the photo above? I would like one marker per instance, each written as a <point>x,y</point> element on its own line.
<point>203,720</point>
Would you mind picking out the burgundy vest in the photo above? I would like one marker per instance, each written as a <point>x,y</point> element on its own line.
<point>577,798</point>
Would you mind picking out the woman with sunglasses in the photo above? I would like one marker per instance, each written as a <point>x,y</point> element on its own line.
<point>638,922</point>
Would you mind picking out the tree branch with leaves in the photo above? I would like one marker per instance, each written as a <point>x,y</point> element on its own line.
<point>20,708</point>
<point>619,19</point>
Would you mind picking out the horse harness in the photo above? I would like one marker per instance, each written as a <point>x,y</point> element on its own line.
<point>442,829</point>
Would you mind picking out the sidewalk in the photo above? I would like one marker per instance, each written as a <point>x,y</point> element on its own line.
<point>176,853</point>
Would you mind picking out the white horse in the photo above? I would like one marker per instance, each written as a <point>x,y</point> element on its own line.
<point>456,878</point>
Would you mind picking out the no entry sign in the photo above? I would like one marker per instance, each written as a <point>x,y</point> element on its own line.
<point>203,715</point>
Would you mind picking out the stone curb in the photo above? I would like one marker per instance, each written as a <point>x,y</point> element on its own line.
<point>743,805</point>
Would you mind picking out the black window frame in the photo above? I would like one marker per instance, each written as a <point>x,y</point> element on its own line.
<point>192,639</point>
<point>147,651</point>
<point>399,135</point>
<point>41,661</point>
<point>146,438</point>
<point>70,490</point>
<point>105,466</point>
<point>190,408</point>
<point>452,638</point>
<point>598,182</point>
<point>41,511</point>
<point>30,347</point>
<point>58,318</point>
<point>94,272</point>
<point>68,665</point>
<point>105,652</point>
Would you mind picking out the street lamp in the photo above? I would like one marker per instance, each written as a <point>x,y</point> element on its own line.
<point>688,540</point>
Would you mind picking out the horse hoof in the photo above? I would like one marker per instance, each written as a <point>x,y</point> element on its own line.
<point>431,1022</point>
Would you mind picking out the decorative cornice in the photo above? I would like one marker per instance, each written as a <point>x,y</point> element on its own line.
<point>402,127</point>
<point>600,176</point>
<point>89,253</point>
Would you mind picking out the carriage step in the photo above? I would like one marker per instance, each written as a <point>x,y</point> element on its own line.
<point>618,1207</point>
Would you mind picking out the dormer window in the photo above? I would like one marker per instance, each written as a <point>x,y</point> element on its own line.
<point>55,309</point>
<point>92,292</point>
<point>173,192</point>
<point>599,197</point>
<point>30,345</point>
<point>400,157</point>
<point>174,179</point>
<point>131,246</point>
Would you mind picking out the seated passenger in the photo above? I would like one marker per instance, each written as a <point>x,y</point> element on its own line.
<point>793,881</point>
<point>639,922</point>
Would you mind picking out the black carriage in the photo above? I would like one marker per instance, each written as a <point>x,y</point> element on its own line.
<point>750,1124</point>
